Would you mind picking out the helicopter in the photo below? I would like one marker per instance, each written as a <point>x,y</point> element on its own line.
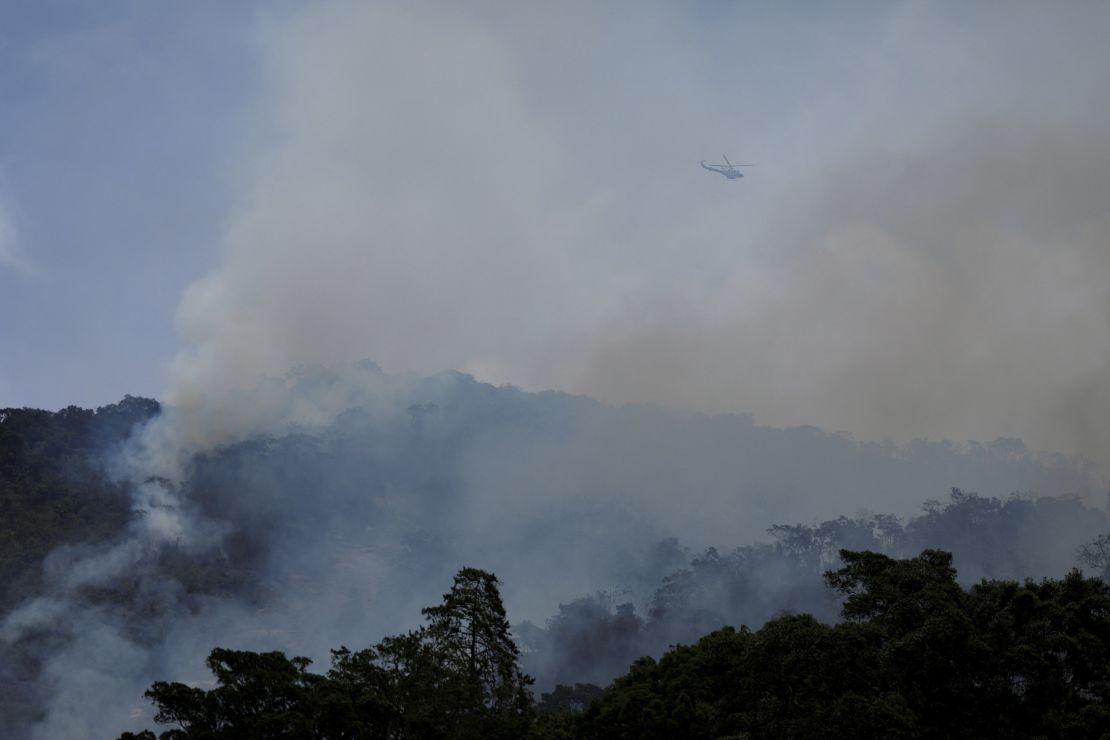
<point>729,170</point>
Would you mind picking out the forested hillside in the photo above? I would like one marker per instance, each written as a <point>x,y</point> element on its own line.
<point>55,491</point>
<point>54,488</point>
<point>617,532</point>
<point>916,655</point>
<point>592,638</point>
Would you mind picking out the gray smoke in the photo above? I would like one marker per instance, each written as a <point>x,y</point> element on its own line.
<point>921,251</point>
<point>336,525</point>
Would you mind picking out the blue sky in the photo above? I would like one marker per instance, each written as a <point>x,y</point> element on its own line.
<point>116,128</point>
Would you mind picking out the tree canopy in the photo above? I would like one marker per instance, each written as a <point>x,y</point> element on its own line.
<point>916,655</point>
<point>455,677</point>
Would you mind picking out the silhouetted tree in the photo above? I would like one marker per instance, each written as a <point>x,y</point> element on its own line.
<point>455,678</point>
<point>917,656</point>
<point>1096,555</point>
<point>469,637</point>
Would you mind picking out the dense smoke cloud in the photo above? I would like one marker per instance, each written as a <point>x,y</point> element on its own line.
<point>513,193</point>
<point>920,251</point>
<point>399,215</point>
<point>960,288</point>
<point>307,535</point>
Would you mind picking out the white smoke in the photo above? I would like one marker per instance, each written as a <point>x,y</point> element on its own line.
<point>920,251</point>
<point>513,192</point>
<point>12,254</point>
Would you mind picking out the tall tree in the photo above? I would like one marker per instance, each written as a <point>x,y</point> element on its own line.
<point>925,639</point>
<point>453,679</point>
<point>470,637</point>
<point>263,695</point>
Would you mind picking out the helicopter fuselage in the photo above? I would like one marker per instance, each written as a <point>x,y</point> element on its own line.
<point>730,172</point>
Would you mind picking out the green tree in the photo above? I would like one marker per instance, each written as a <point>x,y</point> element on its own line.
<point>925,640</point>
<point>455,678</point>
<point>259,695</point>
<point>468,635</point>
<point>1048,671</point>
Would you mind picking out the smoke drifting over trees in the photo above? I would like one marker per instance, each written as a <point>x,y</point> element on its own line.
<point>596,518</point>
<point>922,251</point>
<point>922,256</point>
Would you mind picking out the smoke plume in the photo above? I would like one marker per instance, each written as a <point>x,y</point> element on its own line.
<point>921,251</point>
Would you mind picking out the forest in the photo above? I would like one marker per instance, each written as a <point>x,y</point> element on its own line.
<point>554,371</point>
<point>916,655</point>
<point>305,540</point>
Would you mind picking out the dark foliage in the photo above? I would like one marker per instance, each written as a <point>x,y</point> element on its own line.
<point>455,677</point>
<point>594,638</point>
<point>917,656</point>
<point>294,504</point>
<point>53,491</point>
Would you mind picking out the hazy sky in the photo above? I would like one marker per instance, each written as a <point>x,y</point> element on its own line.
<point>192,196</point>
<point>117,127</point>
